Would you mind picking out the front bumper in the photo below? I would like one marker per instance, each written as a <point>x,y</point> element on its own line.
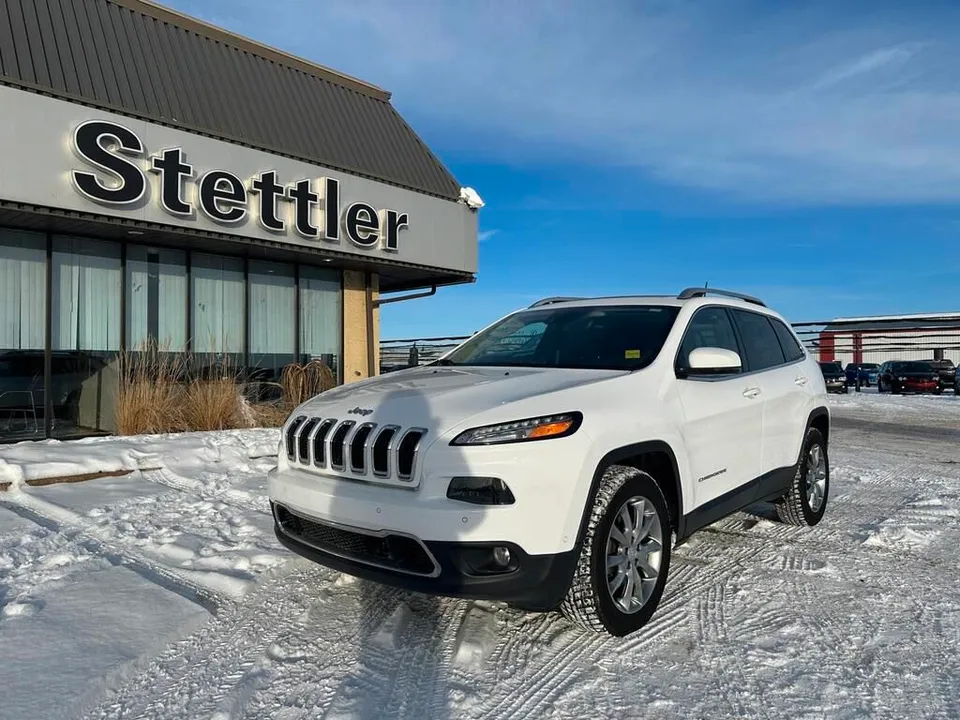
<point>451,569</point>
<point>920,387</point>
<point>549,480</point>
<point>836,385</point>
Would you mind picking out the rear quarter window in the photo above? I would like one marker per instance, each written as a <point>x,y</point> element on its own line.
<point>760,342</point>
<point>792,350</point>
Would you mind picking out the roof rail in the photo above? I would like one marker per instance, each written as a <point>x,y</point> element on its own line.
<point>552,300</point>
<point>703,292</point>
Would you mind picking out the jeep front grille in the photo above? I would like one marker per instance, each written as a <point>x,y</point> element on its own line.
<point>382,453</point>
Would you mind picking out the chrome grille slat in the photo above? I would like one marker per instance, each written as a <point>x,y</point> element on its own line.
<point>342,445</point>
<point>324,427</point>
<point>393,430</point>
<point>314,442</point>
<point>290,438</point>
<point>301,446</point>
<point>420,432</point>
<point>311,439</point>
<point>365,459</point>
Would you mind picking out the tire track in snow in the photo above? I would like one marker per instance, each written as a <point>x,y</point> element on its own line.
<point>405,655</point>
<point>227,496</point>
<point>200,675</point>
<point>94,541</point>
<point>575,653</point>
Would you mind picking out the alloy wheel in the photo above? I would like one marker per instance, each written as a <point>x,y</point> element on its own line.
<point>633,554</point>
<point>816,477</point>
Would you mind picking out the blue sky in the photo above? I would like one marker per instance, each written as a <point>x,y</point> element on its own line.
<point>804,151</point>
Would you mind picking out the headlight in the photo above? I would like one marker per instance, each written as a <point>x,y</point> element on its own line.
<point>538,428</point>
<point>902,379</point>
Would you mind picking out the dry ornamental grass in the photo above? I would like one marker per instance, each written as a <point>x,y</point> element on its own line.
<point>161,392</point>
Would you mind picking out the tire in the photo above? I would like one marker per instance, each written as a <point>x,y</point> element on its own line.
<point>590,602</point>
<point>795,508</point>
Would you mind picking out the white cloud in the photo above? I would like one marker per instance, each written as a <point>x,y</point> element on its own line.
<point>486,234</point>
<point>754,100</point>
<point>872,61</point>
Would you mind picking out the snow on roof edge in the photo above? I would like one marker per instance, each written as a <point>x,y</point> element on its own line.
<point>918,316</point>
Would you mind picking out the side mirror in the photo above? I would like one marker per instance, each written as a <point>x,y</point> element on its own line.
<point>713,361</point>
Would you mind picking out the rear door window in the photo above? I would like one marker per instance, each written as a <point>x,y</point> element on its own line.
<point>788,343</point>
<point>760,341</point>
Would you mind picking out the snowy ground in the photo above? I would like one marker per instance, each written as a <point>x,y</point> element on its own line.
<point>163,594</point>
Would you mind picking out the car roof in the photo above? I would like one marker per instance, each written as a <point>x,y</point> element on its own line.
<point>661,300</point>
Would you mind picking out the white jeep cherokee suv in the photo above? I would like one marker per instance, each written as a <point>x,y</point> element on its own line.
<point>554,458</point>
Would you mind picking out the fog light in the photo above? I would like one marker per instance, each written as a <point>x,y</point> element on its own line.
<point>480,491</point>
<point>501,556</point>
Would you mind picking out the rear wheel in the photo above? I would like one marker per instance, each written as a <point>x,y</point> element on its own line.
<point>625,555</point>
<point>806,501</point>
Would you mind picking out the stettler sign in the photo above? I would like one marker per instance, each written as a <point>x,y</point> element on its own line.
<point>221,195</point>
<point>61,155</point>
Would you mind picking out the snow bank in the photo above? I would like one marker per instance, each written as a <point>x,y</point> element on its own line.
<point>54,458</point>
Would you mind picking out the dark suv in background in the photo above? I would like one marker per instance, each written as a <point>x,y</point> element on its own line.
<point>947,372</point>
<point>834,377</point>
<point>915,376</point>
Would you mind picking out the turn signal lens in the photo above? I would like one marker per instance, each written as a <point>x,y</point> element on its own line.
<point>539,428</point>
<point>551,429</point>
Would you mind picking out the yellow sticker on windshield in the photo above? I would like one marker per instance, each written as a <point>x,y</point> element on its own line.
<point>632,354</point>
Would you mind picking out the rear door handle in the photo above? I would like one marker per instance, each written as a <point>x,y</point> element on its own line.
<point>751,392</point>
<point>800,380</point>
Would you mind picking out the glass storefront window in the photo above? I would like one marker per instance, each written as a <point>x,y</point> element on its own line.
<point>23,307</point>
<point>156,298</point>
<point>218,296</point>
<point>248,318</point>
<point>320,316</point>
<point>271,323</point>
<point>85,292</point>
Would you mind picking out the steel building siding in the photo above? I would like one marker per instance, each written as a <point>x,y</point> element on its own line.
<point>112,55</point>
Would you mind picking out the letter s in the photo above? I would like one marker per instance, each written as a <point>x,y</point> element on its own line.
<point>87,140</point>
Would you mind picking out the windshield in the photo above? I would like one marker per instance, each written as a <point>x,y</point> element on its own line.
<point>870,366</point>
<point>626,337</point>
<point>834,367</point>
<point>912,367</point>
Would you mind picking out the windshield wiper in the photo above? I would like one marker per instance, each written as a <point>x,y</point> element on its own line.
<point>444,361</point>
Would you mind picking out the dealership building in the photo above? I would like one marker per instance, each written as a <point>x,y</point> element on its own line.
<point>166,181</point>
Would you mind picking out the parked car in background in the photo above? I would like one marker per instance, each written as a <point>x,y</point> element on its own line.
<point>915,376</point>
<point>868,373</point>
<point>947,372</point>
<point>834,377</point>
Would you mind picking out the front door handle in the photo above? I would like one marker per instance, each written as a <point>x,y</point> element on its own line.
<point>800,380</point>
<point>751,392</point>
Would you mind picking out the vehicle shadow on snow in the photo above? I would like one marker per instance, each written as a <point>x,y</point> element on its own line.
<point>402,664</point>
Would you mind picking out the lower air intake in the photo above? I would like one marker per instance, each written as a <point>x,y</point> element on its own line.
<point>389,551</point>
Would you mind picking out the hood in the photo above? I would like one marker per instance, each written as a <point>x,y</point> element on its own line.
<point>438,397</point>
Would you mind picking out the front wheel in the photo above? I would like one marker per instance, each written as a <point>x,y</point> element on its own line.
<point>806,500</point>
<point>625,556</point>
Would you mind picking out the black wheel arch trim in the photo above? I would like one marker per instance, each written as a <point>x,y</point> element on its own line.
<point>623,453</point>
<point>818,412</point>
